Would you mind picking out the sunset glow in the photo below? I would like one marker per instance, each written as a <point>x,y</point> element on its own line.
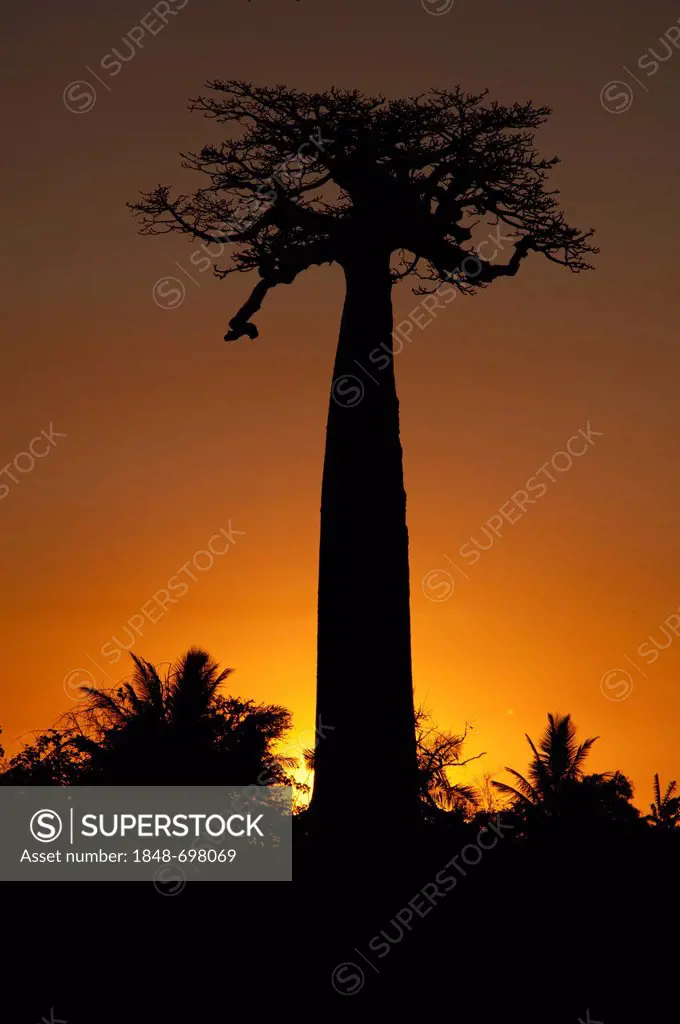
<point>168,437</point>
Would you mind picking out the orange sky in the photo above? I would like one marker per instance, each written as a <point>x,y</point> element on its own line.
<point>171,433</point>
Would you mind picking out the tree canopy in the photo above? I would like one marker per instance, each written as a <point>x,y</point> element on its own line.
<point>172,729</point>
<point>556,790</point>
<point>309,178</point>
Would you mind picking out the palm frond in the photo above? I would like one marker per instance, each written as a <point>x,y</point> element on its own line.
<point>104,700</point>
<point>503,787</point>
<point>524,785</point>
<point>147,684</point>
<point>672,786</point>
<point>539,771</point>
<point>579,757</point>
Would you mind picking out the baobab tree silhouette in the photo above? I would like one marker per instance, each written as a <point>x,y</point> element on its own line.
<point>387,189</point>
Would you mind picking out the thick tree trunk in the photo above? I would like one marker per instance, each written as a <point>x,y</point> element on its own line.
<point>365,762</point>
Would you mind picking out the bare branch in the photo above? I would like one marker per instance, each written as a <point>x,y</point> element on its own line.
<point>309,178</point>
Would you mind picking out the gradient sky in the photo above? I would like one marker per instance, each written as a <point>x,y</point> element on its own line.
<point>171,433</point>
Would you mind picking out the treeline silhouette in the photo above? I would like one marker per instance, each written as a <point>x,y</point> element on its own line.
<point>180,728</point>
<point>547,916</point>
<point>162,730</point>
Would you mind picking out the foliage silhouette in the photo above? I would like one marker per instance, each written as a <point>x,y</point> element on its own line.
<point>560,761</point>
<point>52,759</point>
<point>665,809</point>
<point>438,753</point>
<point>421,180</point>
<point>176,729</point>
<point>557,791</point>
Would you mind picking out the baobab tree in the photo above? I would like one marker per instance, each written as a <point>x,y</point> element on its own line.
<point>386,189</point>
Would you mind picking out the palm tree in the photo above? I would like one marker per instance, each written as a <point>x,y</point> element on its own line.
<point>179,730</point>
<point>554,769</point>
<point>665,809</point>
<point>407,180</point>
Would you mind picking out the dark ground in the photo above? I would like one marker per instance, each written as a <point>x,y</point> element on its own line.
<point>547,934</point>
